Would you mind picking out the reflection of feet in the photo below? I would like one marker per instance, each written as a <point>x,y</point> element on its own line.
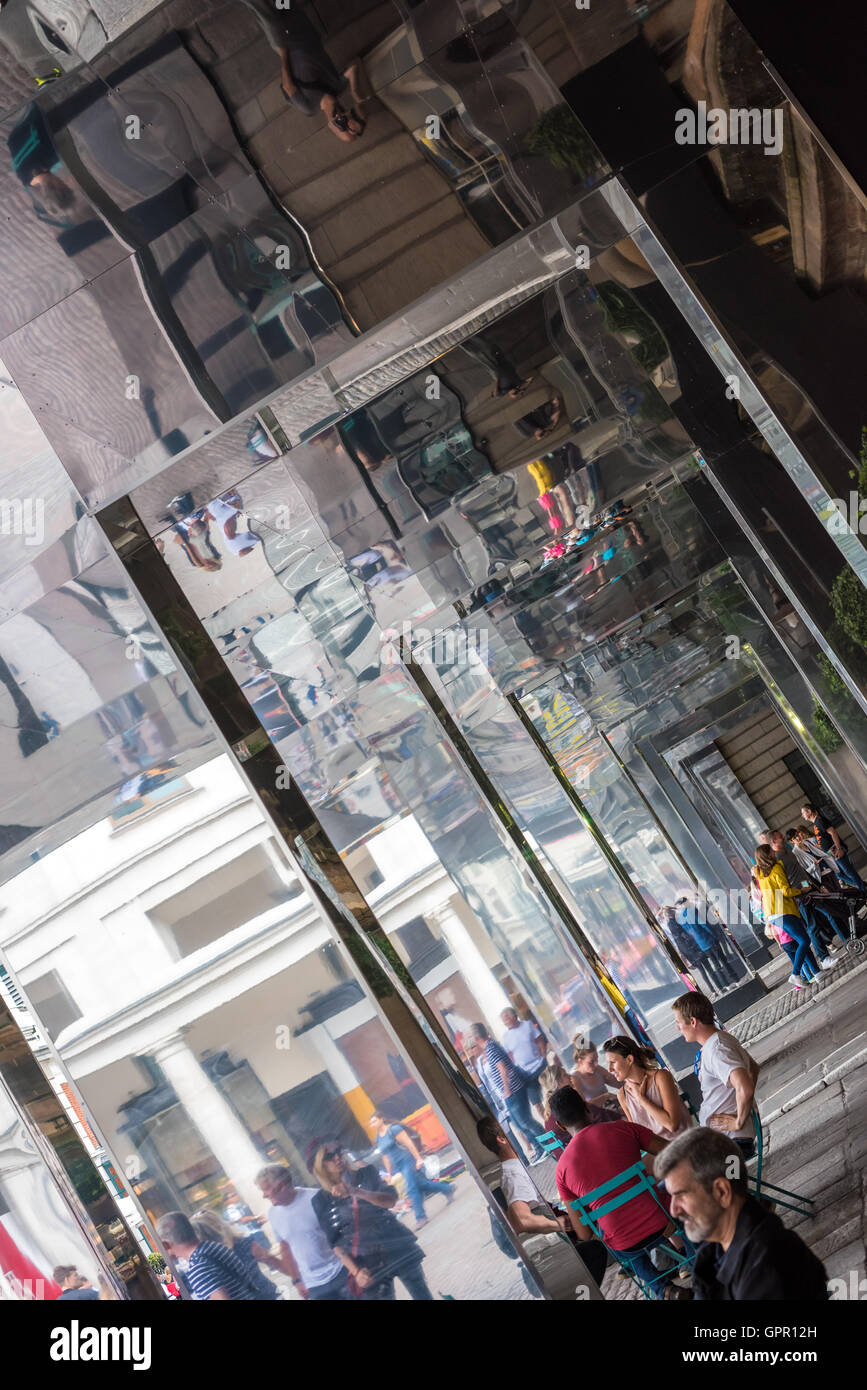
<point>423,1222</point>
<point>449,1193</point>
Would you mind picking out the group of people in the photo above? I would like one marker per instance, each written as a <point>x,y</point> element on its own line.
<point>339,1241</point>
<point>792,871</point>
<point>702,942</point>
<point>738,1247</point>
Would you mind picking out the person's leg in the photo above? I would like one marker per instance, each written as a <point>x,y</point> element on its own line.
<point>518,1104</point>
<point>717,952</point>
<point>789,948</point>
<point>414,1282</point>
<point>832,922</point>
<point>845,869</point>
<point>812,926</point>
<point>639,1259</point>
<point>383,1291</point>
<point>804,964</point>
<point>410,1177</point>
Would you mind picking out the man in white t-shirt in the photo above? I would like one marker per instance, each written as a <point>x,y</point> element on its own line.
<point>305,1253</point>
<point>726,1072</point>
<point>527,1211</point>
<point>525,1042</point>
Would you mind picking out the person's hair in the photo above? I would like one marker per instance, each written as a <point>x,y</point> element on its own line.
<point>765,860</point>
<point>764,836</point>
<point>579,1053</point>
<point>811,809</point>
<point>624,1047</point>
<point>568,1107</point>
<point>273,1170</point>
<point>478,1030</point>
<point>579,1040</point>
<point>318,1164</point>
<point>775,834</point>
<point>710,1155</point>
<point>489,1133</point>
<point>61,1273</point>
<point>694,1005</point>
<point>790,834</point>
<point>177,1228</point>
<point>509,1009</point>
<point>209,1226</point>
<point>551,1079</point>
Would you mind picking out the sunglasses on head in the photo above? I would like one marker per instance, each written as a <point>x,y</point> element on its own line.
<point>623,1046</point>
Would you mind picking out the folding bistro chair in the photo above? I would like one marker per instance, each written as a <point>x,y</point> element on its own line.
<point>550,1143</point>
<point>760,1184</point>
<point>640,1182</point>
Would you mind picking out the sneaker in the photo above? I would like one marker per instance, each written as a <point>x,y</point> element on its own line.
<point>424,1221</point>
<point>450,1193</point>
<point>795,982</point>
<point>862,910</point>
<point>828,962</point>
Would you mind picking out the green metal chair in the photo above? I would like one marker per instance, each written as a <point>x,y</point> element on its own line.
<point>640,1182</point>
<point>760,1184</point>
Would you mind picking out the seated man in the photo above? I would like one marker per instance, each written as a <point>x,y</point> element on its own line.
<point>746,1254</point>
<point>597,1153</point>
<point>726,1072</point>
<point>526,1209</point>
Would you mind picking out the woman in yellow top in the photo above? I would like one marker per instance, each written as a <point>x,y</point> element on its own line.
<point>781,912</point>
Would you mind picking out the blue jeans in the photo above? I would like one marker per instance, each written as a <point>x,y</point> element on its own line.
<point>521,1117</point>
<point>639,1257</point>
<point>810,913</point>
<point>845,869</point>
<point>419,1186</point>
<point>338,1287</point>
<point>803,962</point>
<point>413,1280</point>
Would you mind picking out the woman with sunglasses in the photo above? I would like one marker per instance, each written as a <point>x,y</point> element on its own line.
<point>648,1093</point>
<point>354,1211</point>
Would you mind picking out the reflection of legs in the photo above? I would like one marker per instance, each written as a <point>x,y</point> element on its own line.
<point>411,1178</point>
<point>708,965</point>
<point>414,1282</point>
<point>518,1105</point>
<point>723,963</point>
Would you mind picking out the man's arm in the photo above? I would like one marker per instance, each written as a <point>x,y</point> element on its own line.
<point>524,1221</point>
<point>288,1266</point>
<point>837,842</point>
<point>504,1077</point>
<point>744,1084</point>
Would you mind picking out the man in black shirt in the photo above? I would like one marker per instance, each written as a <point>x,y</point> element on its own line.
<point>308,77</point>
<point>746,1253</point>
<point>830,841</point>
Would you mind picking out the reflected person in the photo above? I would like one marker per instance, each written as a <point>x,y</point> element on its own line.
<point>354,1211</point>
<point>401,1155</point>
<point>308,77</point>
<point>305,1253</point>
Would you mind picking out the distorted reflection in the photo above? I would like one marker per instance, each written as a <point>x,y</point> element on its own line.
<point>219,1036</point>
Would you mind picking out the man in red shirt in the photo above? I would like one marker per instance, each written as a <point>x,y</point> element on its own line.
<point>595,1154</point>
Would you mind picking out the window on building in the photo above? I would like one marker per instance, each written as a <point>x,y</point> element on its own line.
<point>52,1003</point>
<point>222,900</point>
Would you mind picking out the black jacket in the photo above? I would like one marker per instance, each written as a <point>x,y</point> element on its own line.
<point>765,1262</point>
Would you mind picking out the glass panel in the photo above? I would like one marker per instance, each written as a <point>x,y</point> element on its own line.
<point>215,1027</point>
